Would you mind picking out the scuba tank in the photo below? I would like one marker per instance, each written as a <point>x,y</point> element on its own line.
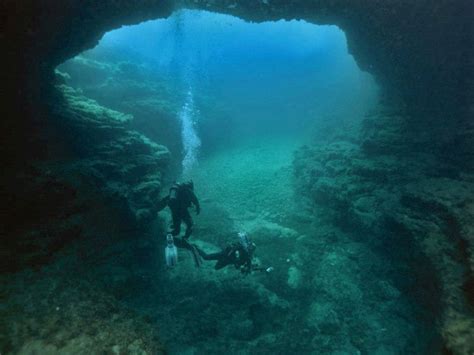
<point>173,195</point>
<point>171,252</point>
<point>244,240</point>
<point>174,192</point>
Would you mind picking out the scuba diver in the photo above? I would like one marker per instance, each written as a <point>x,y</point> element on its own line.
<point>180,198</point>
<point>239,254</point>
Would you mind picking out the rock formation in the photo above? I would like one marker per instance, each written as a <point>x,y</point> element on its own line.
<point>401,200</point>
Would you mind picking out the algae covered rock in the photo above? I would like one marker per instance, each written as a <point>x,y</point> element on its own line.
<point>70,316</point>
<point>126,165</point>
<point>108,77</point>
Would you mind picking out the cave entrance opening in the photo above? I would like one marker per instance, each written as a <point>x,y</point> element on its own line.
<point>232,101</point>
<point>200,82</point>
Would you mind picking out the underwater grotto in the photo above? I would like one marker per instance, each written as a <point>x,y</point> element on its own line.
<point>237,177</point>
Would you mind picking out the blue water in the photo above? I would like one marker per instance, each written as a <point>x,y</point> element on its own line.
<point>274,77</point>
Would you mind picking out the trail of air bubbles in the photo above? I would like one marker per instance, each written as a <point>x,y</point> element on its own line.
<point>191,142</point>
<point>185,62</point>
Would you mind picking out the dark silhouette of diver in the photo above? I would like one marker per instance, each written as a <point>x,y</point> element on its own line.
<point>179,199</point>
<point>239,254</point>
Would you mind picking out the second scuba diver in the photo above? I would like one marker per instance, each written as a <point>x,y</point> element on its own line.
<point>239,254</point>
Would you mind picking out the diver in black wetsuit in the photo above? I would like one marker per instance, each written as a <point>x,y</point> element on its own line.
<point>179,199</point>
<point>239,254</point>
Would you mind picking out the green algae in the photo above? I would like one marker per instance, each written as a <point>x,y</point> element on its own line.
<point>90,109</point>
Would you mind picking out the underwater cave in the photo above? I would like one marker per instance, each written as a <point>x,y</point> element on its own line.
<point>337,136</point>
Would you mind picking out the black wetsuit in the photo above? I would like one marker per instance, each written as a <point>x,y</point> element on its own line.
<point>234,254</point>
<point>180,198</point>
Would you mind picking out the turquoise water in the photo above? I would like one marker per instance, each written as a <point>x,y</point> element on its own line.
<point>266,119</point>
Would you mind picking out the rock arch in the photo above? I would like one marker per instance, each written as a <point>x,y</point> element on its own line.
<point>418,50</point>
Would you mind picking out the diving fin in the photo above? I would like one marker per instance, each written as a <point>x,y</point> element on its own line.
<point>196,256</point>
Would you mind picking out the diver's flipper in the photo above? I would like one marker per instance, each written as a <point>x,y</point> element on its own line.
<point>196,256</point>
